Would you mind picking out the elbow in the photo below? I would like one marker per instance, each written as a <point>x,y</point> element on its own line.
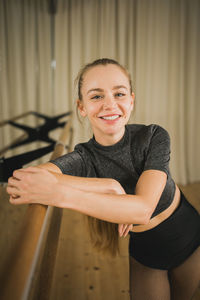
<point>146,216</point>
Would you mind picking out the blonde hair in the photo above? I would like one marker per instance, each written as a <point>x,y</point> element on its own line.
<point>104,235</point>
<point>99,62</point>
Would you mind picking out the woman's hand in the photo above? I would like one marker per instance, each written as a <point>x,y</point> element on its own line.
<point>33,185</point>
<point>123,229</point>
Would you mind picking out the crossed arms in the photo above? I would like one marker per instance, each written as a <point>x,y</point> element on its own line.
<point>102,198</point>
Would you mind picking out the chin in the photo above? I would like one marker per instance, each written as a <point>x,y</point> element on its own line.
<point>114,131</point>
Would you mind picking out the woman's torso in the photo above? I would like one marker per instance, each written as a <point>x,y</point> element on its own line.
<point>142,148</point>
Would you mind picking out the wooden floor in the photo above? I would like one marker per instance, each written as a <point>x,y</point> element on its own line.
<point>80,273</point>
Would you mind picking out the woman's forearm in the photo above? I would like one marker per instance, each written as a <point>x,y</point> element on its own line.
<point>101,185</point>
<point>136,209</point>
<point>109,207</point>
<point>34,185</point>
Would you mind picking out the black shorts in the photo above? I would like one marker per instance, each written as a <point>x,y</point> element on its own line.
<point>170,243</point>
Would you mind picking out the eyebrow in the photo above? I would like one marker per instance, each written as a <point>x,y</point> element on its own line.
<point>101,90</point>
<point>95,90</point>
<point>119,87</point>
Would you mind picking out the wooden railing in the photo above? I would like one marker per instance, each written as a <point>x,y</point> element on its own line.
<point>28,271</point>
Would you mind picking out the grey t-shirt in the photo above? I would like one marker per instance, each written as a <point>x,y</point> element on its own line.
<point>141,148</point>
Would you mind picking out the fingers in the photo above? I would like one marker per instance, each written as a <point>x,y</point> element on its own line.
<point>16,201</point>
<point>13,187</point>
<point>11,190</point>
<point>123,229</point>
<point>32,169</point>
<point>25,184</point>
<point>126,231</point>
<point>21,173</point>
<point>12,181</point>
<point>29,169</point>
<point>120,229</point>
<point>18,174</point>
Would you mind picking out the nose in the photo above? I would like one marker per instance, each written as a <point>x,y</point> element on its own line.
<point>109,102</point>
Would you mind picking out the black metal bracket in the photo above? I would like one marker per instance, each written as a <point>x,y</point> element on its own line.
<point>40,133</point>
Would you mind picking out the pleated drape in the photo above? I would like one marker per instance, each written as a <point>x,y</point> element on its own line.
<point>25,70</point>
<point>158,41</point>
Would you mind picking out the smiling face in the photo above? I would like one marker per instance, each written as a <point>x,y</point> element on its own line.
<point>106,101</point>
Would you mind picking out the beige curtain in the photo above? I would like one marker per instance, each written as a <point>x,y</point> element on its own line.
<point>25,68</point>
<point>158,41</point>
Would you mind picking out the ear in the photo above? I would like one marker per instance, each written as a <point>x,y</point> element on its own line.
<point>81,107</point>
<point>133,100</point>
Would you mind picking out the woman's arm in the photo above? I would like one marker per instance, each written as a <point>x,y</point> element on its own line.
<point>136,209</point>
<point>101,185</point>
<point>40,186</point>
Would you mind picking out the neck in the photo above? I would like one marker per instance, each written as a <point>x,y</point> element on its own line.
<point>109,140</point>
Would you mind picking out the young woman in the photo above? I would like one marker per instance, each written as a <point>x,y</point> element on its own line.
<point>121,176</point>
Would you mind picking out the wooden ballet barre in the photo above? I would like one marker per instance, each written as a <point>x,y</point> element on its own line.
<point>28,272</point>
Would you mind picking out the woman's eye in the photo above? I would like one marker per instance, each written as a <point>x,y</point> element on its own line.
<point>96,97</point>
<point>119,94</point>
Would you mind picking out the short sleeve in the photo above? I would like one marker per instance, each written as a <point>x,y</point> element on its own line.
<point>158,151</point>
<point>70,164</point>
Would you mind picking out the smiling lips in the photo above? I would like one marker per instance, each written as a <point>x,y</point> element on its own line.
<point>110,117</point>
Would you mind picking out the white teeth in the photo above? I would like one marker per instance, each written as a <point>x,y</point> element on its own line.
<point>110,118</point>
